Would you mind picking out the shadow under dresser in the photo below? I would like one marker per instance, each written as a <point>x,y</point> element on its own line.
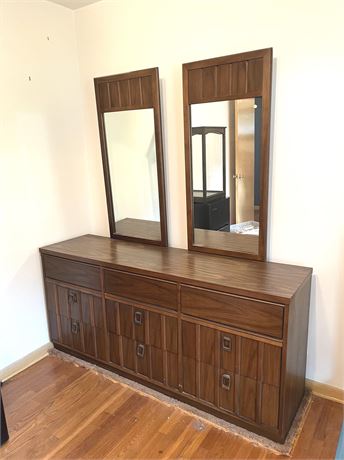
<point>226,335</point>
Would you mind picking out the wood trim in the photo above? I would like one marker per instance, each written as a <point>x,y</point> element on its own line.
<point>25,362</point>
<point>265,92</point>
<point>154,103</point>
<point>325,391</point>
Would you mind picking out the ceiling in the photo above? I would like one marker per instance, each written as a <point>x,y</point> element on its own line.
<point>74,4</point>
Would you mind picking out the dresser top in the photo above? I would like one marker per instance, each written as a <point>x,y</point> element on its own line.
<point>264,280</point>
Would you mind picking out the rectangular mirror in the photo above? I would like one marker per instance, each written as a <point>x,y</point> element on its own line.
<point>226,171</point>
<point>227,115</point>
<point>130,132</point>
<point>133,172</point>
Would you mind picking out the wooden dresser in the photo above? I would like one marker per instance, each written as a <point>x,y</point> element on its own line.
<point>226,335</point>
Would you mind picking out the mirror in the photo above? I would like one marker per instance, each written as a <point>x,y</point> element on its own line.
<point>133,172</point>
<point>226,169</point>
<point>226,107</point>
<point>130,132</point>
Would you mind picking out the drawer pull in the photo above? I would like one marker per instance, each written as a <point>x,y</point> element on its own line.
<point>72,297</point>
<point>140,350</point>
<point>226,343</point>
<point>226,381</point>
<point>138,318</point>
<point>75,327</point>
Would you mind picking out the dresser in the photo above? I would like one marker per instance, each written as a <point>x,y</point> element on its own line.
<point>226,335</point>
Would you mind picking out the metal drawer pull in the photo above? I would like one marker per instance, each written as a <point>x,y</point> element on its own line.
<point>138,318</point>
<point>140,350</point>
<point>227,343</point>
<point>75,327</point>
<point>73,297</point>
<point>226,381</point>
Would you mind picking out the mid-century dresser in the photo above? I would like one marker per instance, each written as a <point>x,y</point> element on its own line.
<point>226,335</point>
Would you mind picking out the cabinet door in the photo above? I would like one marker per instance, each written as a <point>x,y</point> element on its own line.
<point>258,381</point>
<point>226,380</point>
<point>239,375</point>
<point>81,321</point>
<point>70,317</point>
<point>156,346</point>
<point>52,311</point>
<point>189,357</point>
<point>143,341</point>
<point>207,364</point>
<point>171,351</point>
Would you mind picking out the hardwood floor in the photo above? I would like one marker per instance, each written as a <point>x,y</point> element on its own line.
<point>57,410</point>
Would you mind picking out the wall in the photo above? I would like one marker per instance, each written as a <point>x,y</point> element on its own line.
<point>306,200</point>
<point>44,191</point>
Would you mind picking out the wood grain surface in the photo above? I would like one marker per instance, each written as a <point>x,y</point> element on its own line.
<point>262,280</point>
<point>57,410</point>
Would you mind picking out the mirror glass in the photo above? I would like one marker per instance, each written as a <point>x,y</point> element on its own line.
<point>226,144</point>
<point>130,139</point>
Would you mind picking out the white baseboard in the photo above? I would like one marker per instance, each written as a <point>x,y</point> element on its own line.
<point>325,391</point>
<point>26,361</point>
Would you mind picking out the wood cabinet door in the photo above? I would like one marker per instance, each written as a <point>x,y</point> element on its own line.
<point>258,370</point>
<point>76,320</point>
<point>70,317</point>
<point>143,341</point>
<point>52,311</point>
<point>227,350</point>
<point>237,374</point>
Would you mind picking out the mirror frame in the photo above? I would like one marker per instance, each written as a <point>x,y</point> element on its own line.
<point>237,76</point>
<point>123,92</point>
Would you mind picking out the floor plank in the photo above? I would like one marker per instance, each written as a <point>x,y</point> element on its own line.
<point>56,410</point>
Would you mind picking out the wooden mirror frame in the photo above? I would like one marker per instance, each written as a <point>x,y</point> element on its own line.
<point>123,92</point>
<point>237,76</point>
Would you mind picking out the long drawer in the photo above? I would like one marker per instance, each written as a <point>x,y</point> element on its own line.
<point>68,271</point>
<point>251,315</point>
<point>141,288</point>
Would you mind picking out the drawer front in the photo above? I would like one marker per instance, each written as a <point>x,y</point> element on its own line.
<point>141,288</point>
<point>72,272</point>
<point>251,315</point>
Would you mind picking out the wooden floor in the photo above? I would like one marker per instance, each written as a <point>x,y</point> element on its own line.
<point>57,410</point>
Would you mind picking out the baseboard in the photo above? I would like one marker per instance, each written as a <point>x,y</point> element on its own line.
<point>325,391</point>
<point>26,361</point>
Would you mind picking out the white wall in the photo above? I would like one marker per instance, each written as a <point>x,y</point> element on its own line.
<point>44,191</point>
<point>306,214</point>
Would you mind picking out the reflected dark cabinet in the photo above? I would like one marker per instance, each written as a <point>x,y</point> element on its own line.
<point>210,203</point>
<point>228,336</point>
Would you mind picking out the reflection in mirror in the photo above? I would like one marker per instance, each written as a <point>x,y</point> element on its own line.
<point>226,140</point>
<point>130,139</point>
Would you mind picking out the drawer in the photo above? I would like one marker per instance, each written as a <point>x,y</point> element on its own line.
<point>72,272</point>
<point>250,315</point>
<point>141,288</point>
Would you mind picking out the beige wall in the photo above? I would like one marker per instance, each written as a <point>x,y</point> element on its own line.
<point>306,225</point>
<point>44,191</point>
